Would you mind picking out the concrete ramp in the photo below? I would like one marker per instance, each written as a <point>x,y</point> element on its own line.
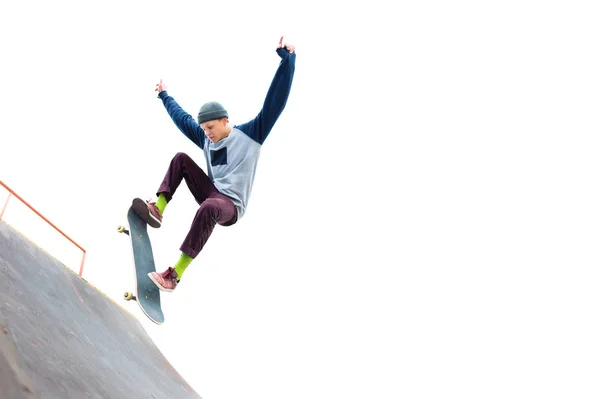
<point>62,338</point>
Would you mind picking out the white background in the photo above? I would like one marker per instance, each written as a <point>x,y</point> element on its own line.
<point>424,221</point>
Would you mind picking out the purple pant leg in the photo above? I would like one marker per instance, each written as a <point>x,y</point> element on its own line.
<point>184,167</point>
<point>214,206</point>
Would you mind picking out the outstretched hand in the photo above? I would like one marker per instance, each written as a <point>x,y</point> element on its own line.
<point>160,86</point>
<point>288,46</point>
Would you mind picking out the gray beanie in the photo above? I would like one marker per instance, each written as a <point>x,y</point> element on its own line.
<point>210,111</point>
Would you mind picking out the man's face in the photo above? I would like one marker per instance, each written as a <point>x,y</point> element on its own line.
<point>215,130</point>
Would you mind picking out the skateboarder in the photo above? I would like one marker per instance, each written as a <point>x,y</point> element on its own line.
<point>231,153</point>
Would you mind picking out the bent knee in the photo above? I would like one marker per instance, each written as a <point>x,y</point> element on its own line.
<point>181,156</point>
<point>212,205</point>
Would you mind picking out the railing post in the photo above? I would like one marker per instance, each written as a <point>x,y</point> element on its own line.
<point>81,267</point>
<point>5,204</point>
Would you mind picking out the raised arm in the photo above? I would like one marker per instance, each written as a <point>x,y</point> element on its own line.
<point>184,121</point>
<point>259,128</point>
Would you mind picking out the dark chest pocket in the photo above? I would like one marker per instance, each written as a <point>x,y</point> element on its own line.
<point>218,157</point>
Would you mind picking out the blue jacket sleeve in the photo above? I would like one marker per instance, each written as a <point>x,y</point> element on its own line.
<point>259,128</point>
<point>184,121</point>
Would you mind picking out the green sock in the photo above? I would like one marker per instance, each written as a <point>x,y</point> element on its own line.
<point>182,264</point>
<point>161,203</point>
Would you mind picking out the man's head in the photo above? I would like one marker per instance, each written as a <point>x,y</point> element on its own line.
<point>214,120</point>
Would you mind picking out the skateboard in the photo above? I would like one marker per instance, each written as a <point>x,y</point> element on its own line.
<point>146,293</point>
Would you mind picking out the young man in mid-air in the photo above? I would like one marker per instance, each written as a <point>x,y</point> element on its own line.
<point>231,153</point>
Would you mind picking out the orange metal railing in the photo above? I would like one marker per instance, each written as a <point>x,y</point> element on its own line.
<point>12,193</point>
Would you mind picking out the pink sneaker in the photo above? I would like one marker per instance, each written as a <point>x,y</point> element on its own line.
<point>148,212</point>
<point>166,281</point>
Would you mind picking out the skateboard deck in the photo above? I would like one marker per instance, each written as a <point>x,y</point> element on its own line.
<point>146,293</point>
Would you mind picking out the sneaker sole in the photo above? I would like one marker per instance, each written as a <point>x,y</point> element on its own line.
<point>141,209</point>
<point>160,287</point>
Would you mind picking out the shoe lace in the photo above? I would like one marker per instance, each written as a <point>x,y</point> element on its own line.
<point>170,274</point>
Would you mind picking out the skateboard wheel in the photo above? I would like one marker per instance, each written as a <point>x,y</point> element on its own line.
<point>128,296</point>
<point>121,229</point>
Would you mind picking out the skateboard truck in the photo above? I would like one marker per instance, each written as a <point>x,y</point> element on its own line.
<point>122,229</point>
<point>128,295</point>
